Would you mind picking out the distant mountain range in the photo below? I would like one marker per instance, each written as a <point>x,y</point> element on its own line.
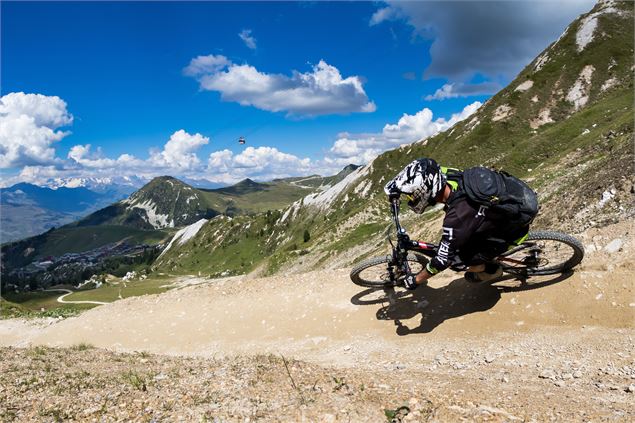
<point>126,184</point>
<point>153,212</point>
<point>28,209</point>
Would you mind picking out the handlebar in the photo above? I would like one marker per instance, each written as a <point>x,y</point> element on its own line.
<point>394,209</point>
<point>404,243</point>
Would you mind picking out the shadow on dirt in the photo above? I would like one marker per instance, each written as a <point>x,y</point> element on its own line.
<point>436,305</point>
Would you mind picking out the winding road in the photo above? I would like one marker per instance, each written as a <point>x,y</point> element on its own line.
<point>60,299</point>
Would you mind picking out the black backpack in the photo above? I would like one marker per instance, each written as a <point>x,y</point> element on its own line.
<point>507,196</point>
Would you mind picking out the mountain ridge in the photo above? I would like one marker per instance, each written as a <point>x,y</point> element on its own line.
<point>159,207</point>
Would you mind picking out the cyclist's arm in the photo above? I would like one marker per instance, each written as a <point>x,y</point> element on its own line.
<point>460,223</point>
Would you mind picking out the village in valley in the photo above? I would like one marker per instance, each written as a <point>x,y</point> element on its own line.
<point>75,268</point>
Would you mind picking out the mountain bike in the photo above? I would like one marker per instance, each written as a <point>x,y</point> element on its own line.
<point>542,253</point>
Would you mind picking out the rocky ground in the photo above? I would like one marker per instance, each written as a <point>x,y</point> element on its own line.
<point>315,347</point>
<point>535,379</point>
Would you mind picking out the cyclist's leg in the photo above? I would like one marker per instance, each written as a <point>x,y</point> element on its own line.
<point>480,261</point>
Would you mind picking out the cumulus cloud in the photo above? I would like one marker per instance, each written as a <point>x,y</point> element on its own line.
<point>490,38</point>
<point>362,148</point>
<point>319,92</point>
<point>28,128</point>
<point>82,155</point>
<point>38,175</point>
<point>459,89</point>
<point>249,41</point>
<point>29,148</point>
<point>264,163</point>
<point>180,151</point>
<point>178,155</point>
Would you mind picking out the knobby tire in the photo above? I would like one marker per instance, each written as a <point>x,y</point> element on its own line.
<point>576,254</point>
<point>379,262</point>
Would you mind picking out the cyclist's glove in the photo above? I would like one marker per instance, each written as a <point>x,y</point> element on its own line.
<point>391,190</point>
<point>410,282</point>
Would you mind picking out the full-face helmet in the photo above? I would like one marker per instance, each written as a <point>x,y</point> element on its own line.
<point>420,181</point>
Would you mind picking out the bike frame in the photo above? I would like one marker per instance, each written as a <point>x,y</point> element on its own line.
<point>405,244</point>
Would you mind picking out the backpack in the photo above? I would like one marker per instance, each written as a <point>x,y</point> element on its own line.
<point>506,195</point>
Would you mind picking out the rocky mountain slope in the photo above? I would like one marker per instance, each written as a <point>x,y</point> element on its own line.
<point>322,182</point>
<point>166,202</point>
<point>157,205</point>
<point>564,124</point>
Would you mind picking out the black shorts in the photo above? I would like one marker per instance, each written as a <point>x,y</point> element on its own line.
<point>485,247</point>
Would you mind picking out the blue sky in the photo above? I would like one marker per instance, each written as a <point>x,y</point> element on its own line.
<point>168,88</point>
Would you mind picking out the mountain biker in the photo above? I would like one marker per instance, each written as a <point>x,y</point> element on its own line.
<point>473,233</point>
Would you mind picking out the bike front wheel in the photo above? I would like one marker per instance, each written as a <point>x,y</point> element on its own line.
<point>376,272</point>
<point>543,253</point>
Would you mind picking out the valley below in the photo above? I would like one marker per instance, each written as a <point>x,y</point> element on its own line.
<point>313,346</point>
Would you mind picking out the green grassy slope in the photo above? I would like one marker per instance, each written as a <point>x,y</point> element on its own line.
<point>224,246</point>
<point>248,197</point>
<point>78,239</point>
<point>45,304</point>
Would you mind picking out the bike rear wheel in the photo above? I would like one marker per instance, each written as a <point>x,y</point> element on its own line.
<point>543,253</point>
<point>373,272</point>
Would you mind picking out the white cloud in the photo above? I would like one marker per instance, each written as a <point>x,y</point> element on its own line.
<point>28,128</point>
<point>458,89</point>
<point>262,163</point>
<point>82,155</point>
<point>219,162</point>
<point>249,41</point>
<point>383,14</point>
<point>178,156</point>
<point>202,65</point>
<point>180,151</point>
<point>319,92</point>
<point>38,175</point>
<point>362,148</point>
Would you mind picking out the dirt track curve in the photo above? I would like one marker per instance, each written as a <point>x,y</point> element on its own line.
<point>563,351</point>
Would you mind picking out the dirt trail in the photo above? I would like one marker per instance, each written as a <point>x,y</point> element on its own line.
<point>311,315</point>
<point>67,292</point>
<point>574,336</point>
<point>315,315</point>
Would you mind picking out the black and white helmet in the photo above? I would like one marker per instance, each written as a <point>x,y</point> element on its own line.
<point>420,181</point>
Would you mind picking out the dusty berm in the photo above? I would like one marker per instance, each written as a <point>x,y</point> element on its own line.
<point>317,347</point>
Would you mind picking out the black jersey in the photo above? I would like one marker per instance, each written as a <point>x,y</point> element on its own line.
<point>471,234</point>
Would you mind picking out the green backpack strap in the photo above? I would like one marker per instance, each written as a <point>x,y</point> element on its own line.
<point>454,177</point>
